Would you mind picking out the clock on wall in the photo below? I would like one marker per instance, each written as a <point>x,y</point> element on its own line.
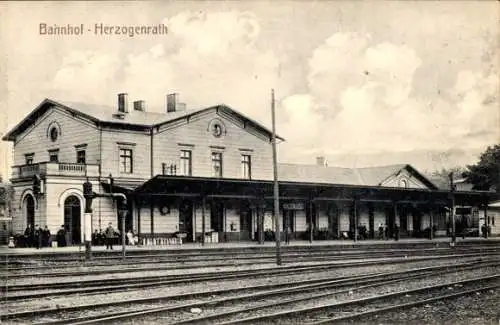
<point>164,210</point>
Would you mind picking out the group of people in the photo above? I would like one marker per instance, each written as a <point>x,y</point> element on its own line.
<point>383,232</point>
<point>109,235</point>
<point>37,236</point>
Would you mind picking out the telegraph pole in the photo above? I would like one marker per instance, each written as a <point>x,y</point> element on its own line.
<point>87,219</point>
<point>452,211</point>
<point>276,188</point>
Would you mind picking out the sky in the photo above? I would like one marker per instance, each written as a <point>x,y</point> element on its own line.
<point>359,82</point>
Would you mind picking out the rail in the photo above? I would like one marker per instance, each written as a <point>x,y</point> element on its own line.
<point>55,169</point>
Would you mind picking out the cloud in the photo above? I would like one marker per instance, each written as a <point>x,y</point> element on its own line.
<point>86,72</point>
<point>215,33</point>
<point>208,57</point>
<point>429,85</point>
<point>366,90</point>
<point>362,88</point>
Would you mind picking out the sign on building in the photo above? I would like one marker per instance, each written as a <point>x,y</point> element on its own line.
<point>293,206</point>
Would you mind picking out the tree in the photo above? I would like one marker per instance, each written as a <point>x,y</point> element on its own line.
<point>485,175</point>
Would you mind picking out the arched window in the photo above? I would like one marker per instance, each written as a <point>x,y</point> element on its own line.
<point>403,183</point>
<point>72,215</point>
<point>29,210</point>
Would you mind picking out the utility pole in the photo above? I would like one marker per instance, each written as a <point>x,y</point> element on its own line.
<point>452,211</point>
<point>122,208</point>
<point>203,202</point>
<point>311,223</point>
<point>276,187</point>
<point>87,219</point>
<point>486,222</point>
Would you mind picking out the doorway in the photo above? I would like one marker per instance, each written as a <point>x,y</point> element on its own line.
<point>72,219</point>
<point>29,204</point>
<point>216,217</point>
<point>289,222</point>
<point>245,223</point>
<point>186,220</point>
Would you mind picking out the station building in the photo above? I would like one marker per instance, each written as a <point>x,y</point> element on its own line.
<point>206,175</point>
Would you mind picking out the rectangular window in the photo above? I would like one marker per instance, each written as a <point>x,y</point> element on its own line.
<point>29,158</point>
<point>126,161</point>
<point>186,164</point>
<point>168,169</point>
<point>217,164</point>
<point>54,155</point>
<point>246,166</point>
<point>80,157</point>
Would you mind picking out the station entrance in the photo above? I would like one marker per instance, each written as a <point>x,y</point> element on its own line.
<point>72,219</point>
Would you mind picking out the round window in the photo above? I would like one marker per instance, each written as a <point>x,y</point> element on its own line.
<point>54,134</point>
<point>217,130</point>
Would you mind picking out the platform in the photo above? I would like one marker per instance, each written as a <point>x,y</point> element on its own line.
<point>335,244</point>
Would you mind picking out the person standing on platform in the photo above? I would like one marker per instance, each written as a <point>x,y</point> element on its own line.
<point>380,231</point>
<point>131,238</point>
<point>38,236</point>
<point>396,232</point>
<point>28,236</point>
<point>386,232</point>
<point>110,236</point>
<point>46,236</point>
<point>61,237</point>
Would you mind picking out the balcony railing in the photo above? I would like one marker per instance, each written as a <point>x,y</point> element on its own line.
<point>55,169</point>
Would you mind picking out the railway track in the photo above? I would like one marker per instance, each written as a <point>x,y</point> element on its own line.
<point>96,269</point>
<point>27,259</point>
<point>350,310</point>
<point>272,296</point>
<point>30,291</point>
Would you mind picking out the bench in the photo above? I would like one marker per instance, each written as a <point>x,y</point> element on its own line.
<point>160,241</point>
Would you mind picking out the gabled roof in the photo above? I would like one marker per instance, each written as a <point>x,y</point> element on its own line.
<point>318,174</point>
<point>189,186</point>
<point>104,115</point>
<point>367,176</point>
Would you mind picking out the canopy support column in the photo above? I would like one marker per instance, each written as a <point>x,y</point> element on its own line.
<point>203,221</point>
<point>355,217</point>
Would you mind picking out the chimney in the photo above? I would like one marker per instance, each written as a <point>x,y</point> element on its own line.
<point>140,105</point>
<point>123,103</point>
<point>173,104</point>
<point>320,161</point>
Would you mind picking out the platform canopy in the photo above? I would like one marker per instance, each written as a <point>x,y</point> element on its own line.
<point>118,187</point>
<point>182,186</point>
